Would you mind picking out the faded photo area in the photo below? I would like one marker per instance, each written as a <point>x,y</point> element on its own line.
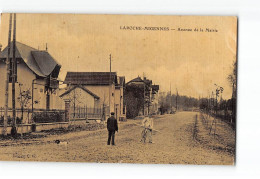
<point>143,89</point>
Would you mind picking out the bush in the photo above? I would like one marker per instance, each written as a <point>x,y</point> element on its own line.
<point>48,116</point>
<point>10,120</point>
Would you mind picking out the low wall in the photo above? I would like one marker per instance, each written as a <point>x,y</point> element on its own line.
<point>38,127</point>
<point>48,126</point>
<point>26,128</point>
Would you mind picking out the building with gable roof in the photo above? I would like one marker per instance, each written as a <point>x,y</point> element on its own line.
<point>107,86</point>
<point>81,96</point>
<point>37,71</point>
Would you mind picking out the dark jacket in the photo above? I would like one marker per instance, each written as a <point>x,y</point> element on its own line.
<point>112,124</point>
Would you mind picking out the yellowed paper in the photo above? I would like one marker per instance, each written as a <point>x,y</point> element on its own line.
<point>74,71</point>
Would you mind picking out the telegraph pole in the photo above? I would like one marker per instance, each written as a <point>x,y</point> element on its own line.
<point>7,76</point>
<point>213,101</point>
<point>216,101</point>
<point>14,78</point>
<point>176,99</point>
<point>110,85</point>
<point>209,103</point>
<point>144,96</point>
<point>171,97</point>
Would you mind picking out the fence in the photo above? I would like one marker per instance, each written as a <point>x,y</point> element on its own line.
<point>22,116</point>
<point>39,116</point>
<point>48,116</point>
<point>79,112</point>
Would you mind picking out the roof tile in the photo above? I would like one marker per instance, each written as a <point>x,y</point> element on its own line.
<point>90,78</point>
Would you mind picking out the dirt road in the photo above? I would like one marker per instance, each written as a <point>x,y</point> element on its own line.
<point>173,144</point>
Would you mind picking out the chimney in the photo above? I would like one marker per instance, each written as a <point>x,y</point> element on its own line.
<point>0,47</point>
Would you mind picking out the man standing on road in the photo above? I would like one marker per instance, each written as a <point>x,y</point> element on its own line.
<point>112,127</point>
<point>147,124</point>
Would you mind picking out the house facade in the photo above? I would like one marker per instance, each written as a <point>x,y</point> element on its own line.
<point>107,86</point>
<point>37,72</point>
<point>81,97</point>
<point>141,97</point>
<point>120,109</point>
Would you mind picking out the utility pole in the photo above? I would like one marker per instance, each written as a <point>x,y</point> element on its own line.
<point>144,95</point>
<point>176,99</point>
<point>212,102</point>
<point>7,77</point>
<point>199,100</point>
<point>209,103</point>
<point>110,85</point>
<point>171,97</point>
<point>14,78</point>
<point>149,100</point>
<point>216,101</point>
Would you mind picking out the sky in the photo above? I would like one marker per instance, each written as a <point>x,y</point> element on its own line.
<point>190,61</point>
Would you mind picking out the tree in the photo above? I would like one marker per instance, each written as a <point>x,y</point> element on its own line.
<point>204,103</point>
<point>232,78</point>
<point>184,102</point>
<point>24,98</point>
<point>134,100</point>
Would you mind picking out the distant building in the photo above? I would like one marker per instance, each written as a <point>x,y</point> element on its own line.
<point>37,71</point>
<point>108,87</point>
<point>155,99</point>
<point>141,97</point>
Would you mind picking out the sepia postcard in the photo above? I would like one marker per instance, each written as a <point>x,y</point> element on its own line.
<point>147,89</point>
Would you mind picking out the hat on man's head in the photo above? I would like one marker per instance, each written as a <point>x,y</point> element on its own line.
<point>112,113</point>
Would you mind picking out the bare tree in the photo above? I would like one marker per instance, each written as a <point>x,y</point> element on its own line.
<point>24,99</point>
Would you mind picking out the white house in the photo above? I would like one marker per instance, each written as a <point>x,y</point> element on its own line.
<point>37,72</point>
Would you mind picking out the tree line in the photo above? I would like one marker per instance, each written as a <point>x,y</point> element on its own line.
<point>214,105</point>
<point>170,103</point>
